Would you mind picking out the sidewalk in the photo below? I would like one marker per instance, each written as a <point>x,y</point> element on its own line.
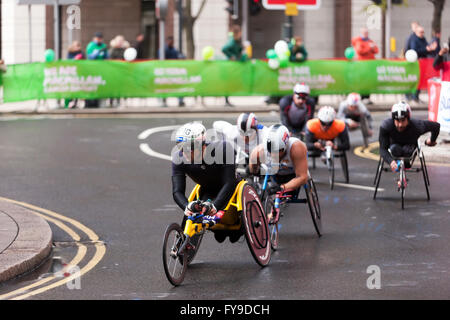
<point>193,105</point>
<point>25,240</point>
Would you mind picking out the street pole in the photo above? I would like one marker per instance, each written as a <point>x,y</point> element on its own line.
<point>388,29</point>
<point>244,21</point>
<point>180,25</point>
<point>56,28</point>
<point>30,41</point>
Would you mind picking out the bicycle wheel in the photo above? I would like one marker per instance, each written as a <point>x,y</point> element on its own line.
<point>175,263</point>
<point>314,206</point>
<point>255,226</point>
<point>378,177</point>
<point>425,176</point>
<point>402,186</point>
<point>272,220</point>
<point>344,165</point>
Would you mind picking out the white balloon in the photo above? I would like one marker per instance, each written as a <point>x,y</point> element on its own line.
<point>411,55</point>
<point>281,47</point>
<point>274,63</point>
<point>130,54</point>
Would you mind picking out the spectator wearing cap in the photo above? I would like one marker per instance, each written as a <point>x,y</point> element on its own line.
<point>96,49</point>
<point>297,109</point>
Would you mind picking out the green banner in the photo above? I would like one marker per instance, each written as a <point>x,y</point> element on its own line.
<point>114,79</point>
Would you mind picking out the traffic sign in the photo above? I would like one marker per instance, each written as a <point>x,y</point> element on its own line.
<point>301,4</point>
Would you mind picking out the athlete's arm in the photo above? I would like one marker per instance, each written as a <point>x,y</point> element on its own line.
<point>179,186</point>
<point>343,141</point>
<point>255,158</point>
<point>300,162</point>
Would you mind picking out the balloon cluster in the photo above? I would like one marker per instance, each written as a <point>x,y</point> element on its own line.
<point>279,55</point>
<point>130,54</point>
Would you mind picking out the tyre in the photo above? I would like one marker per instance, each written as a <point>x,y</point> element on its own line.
<point>255,226</point>
<point>272,220</point>
<point>365,131</point>
<point>175,263</point>
<point>344,164</point>
<point>402,186</point>
<point>314,207</point>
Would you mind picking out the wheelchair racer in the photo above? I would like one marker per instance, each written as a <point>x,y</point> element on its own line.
<point>352,110</point>
<point>297,109</point>
<point>212,166</point>
<point>244,136</point>
<point>285,155</point>
<point>400,133</point>
<point>324,131</point>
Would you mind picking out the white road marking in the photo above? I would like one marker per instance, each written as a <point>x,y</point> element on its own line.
<point>357,186</point>
<point>145,148</point>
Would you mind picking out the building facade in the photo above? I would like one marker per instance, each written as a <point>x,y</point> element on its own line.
<point>326,32</point>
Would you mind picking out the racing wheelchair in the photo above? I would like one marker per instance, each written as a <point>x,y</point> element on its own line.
<point>404,165</point>
<point>330,156</point>
<point>244,214</point>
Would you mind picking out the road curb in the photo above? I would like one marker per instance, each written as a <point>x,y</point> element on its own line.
<point>28,240</point>
<point>171,110</point>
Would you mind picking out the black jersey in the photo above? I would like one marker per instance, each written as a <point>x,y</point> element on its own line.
<point>390,135</point>
<point>216,174</point>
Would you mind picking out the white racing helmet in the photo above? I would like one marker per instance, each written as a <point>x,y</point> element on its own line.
<point>276,139</point>
<point>246,124</point>
<point>401,110</point>
<point>190,135</point>
<point>301,88</point>
<point>326,115</point>
<point>353,99</point>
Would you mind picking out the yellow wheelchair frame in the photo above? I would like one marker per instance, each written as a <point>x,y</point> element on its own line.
<point>231,211</point>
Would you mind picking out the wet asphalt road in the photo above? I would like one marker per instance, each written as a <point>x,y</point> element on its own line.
<point>93,171</point>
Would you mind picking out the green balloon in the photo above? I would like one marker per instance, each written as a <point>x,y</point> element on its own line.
<point>49,55</point>
<point>350,53</point>
<point>283,62</point>
<point>208,53</point>
<point>271,54</point>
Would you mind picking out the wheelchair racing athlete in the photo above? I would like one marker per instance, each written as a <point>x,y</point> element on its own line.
<point>323,131</point>
<point>286,156</point>
<point>212,166</point>
<point>297,109</point>
<point>400,133</point>
<point>244,136</point>
<point>351,111</point>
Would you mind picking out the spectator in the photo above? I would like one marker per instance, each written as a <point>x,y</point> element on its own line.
<point>2,66</point>
<point>419,44</point>
<point>74,53</point>
<point>233,50</point>
<point>118,46</point>
<point>414,26</point>
<point>297,49</point>
<point>96,50</point>
<point>435,42</point>
<point>441,61</point>
<point>171,53</point>
<point>365,48</point>
<point>139,46</point>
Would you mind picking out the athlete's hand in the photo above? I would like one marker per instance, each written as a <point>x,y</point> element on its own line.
<point>394,166</point>
<point>192,207</point>
<point>319,146</point>
<point>430,143</point>
<point>208,208</point>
